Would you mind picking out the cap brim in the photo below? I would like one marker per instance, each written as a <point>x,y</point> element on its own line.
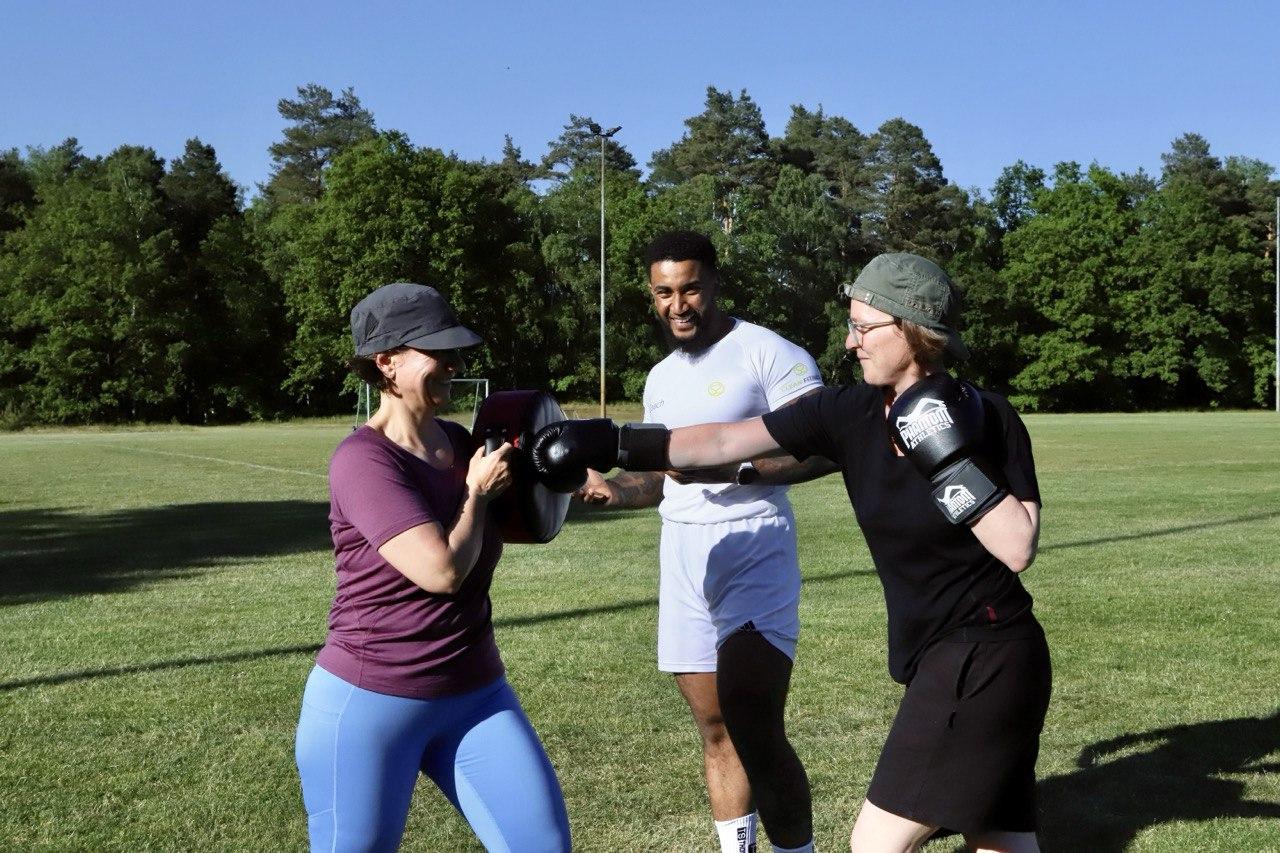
<point>955,346</point>
<point>455,338</point>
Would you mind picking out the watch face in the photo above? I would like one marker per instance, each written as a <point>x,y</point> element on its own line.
<point>747,474</point>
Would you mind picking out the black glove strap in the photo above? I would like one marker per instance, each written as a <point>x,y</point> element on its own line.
<point>643,447</point>
<point>965,491</point>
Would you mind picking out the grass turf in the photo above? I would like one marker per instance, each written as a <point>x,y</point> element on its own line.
<point>163,592</point>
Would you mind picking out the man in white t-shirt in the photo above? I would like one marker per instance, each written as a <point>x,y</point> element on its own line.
<point>729,587</point>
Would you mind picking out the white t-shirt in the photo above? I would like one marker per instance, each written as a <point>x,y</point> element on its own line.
<point>748,372</point>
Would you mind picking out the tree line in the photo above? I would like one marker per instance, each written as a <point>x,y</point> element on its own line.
<point>139,290</point>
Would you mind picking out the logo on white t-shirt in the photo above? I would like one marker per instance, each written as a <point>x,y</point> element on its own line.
<point>715,389</point>
<point>926,420</point>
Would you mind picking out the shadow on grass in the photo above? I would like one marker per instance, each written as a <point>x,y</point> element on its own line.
<point>1168,531</point>
<point>1129,783</point>
<point>53,553</point>
<point>312,648</point>
<point>580,513</point>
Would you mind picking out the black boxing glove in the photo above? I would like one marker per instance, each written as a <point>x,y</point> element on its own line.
<point>562,452</point>
<point>938,423</point>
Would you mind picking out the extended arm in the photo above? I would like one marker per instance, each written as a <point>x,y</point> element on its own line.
<point>707,445</point>
<point>564,451</point>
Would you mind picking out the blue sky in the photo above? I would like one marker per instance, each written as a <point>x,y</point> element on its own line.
<point>988,82</point>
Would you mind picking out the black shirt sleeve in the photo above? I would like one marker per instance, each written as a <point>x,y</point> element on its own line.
<point>1013,452</point>
<point>803,428</point>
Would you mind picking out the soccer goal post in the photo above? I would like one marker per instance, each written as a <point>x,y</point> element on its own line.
<point>468,391</point>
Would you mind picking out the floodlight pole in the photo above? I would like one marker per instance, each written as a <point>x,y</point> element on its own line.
<point>603,134</point>
<point>1276,251</point>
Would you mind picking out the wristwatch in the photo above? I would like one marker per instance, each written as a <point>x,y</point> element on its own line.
<point>747,474</point>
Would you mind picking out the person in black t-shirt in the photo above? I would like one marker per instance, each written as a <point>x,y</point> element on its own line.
<point>943,485</point>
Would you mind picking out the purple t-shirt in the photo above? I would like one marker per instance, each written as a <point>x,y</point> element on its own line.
<point>387,634</point>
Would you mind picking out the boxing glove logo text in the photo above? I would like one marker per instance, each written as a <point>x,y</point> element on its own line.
<point>927,419</point>
<point>956,499</point>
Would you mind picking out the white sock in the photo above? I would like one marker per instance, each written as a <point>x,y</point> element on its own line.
<point>738,835</point>
<point>803,848</point>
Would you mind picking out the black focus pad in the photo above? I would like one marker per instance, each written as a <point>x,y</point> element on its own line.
<point>527,512</point>
<point>643,447</point>
<point>965,492</point>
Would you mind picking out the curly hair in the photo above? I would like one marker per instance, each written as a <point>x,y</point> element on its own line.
<point>682,246</point>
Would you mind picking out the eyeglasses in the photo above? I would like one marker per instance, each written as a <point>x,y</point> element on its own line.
<point>859,330</point>
<point>439,354</point>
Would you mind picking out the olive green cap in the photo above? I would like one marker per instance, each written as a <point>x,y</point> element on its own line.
<point>913,288</point>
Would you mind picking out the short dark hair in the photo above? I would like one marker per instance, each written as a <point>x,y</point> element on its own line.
<point>365,368</point>
<point>682,246</point>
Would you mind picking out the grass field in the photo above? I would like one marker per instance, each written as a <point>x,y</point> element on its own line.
<point>163,592</point>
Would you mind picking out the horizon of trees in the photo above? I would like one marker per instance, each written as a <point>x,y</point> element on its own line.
<point>132,289</point>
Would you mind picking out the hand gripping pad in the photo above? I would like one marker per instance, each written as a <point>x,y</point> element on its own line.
<point>527,512</point>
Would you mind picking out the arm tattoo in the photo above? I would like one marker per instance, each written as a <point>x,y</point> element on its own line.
<point>785,470</point>
<point>632,489</point>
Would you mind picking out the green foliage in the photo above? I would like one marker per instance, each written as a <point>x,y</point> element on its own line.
<point>395,212</point>
<point>1132,294</point>
<point>232,367</point>
<point>1014,193</point>
<point>1064,267</point>
<point>321,127</point>
<point>129,290</point>
<point>579,147</point>
<point>1193,312</point>
<point>916,208</point>
<point>94,301</point>
<point>570,251</point>
<point>17,190</point>
<point>796,243</point>
<point>727,142</point>
<point>132,293</point>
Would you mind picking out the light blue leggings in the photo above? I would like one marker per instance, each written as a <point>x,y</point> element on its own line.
<point>359,754</point>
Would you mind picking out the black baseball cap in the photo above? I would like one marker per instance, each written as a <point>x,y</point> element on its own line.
<point>407,315</point>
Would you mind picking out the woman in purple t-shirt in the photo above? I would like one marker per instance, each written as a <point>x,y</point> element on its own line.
<point>409,679</point>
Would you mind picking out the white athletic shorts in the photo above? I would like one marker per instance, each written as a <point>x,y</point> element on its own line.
<point>715,578</point>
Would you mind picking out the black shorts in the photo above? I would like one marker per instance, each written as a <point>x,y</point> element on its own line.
<point>962,751</point>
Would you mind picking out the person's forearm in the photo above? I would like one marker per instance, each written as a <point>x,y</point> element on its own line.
<point>709,445</point>
<point>1010,532</point>
<point>466,538</point>
<point>635,489</point>
<point>787,470</point>
<point>718,474</point>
